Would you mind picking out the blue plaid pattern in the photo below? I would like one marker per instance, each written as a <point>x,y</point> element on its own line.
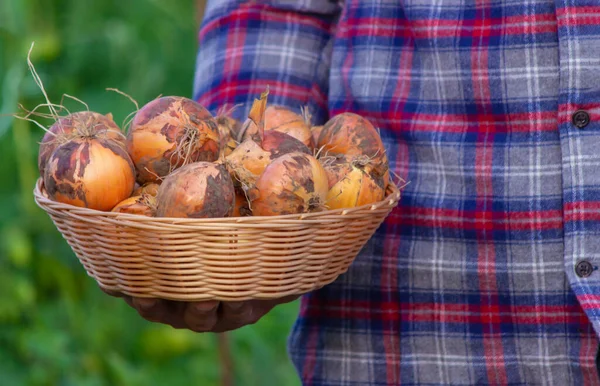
<point>479,277</point>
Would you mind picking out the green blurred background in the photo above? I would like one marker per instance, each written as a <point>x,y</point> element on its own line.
<point>56,326</point>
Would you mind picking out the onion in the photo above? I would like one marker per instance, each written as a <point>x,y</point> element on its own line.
<point>197,190</point>
<point>144,205</point>
<point>95,173</point>
<point>293,183</point>
<point>283,120</point>
<point>170,132</point>
<point>150,188</point>
<point>351,184</point>
<point>251,157</point>
<point>353,136</point>
<point>80,124</point>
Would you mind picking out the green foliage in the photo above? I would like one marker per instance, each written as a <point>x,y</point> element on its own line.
<point>56,326</point>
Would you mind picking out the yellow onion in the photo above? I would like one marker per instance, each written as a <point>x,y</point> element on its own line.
<point>249,159</point>
<point>95,173</point>
<point>81,124</point>
<point>283,120</point>
<point>170,132</point>
<point>252,156</point>
<point>354,137</point>
<point>143,205</point>
<point>150,188</point>
<point>197,190</point>
<point>351,184</point>
<point>293,183</point>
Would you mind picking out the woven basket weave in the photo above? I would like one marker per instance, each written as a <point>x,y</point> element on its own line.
<point>216,259</point>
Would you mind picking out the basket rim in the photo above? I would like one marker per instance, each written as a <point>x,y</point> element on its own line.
<point>390,201</point>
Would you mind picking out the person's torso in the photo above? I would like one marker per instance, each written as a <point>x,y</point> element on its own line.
<point>474,279</point>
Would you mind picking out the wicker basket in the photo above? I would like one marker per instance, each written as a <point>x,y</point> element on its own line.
<point>216,259</point>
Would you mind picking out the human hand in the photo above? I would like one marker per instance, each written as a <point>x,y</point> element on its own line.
<point>204,316</point>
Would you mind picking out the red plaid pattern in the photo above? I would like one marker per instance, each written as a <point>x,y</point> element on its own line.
<point>479,277</point>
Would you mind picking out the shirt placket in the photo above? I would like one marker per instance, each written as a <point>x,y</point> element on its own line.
<point>579,103</point>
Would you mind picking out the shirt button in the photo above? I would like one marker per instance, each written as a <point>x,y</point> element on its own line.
<point>584,269</point>
<point>581,119</point>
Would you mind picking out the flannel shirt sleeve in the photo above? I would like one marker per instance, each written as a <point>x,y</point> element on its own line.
<point>245,46</point>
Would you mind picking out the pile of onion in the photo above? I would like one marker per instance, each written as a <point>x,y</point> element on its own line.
<point>177,160</point>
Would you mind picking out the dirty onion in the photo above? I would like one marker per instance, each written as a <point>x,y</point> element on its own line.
<point>170,132</point>
<point>251,157</point>
<point>355,160</point>
<point>283,120</point>
<point>77,125</point>
<point>196,190</point>
<point>350,185</point>
<point>292,183</point>
<point>92,172</point>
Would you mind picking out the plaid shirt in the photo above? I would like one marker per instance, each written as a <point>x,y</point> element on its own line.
<point>486,272</point>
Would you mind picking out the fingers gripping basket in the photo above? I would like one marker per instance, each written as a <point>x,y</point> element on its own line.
<point>221,259</point>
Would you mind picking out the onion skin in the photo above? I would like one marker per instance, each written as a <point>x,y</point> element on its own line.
<point>143,205</point>
<point>283,120</point>
<point>150,188</point>
<point>228,129</point>
<point>197,190</point>
<point>292,183</point>
<point>77,125</point>
<point>316,132</point>
<point>350,186</point>
<point>93,173</point>
<point>168,133</point>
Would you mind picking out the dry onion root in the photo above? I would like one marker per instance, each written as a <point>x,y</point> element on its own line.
<point>95,173</point>
<point>168,133</point>
<point>292,183</point>
<point>143,205</point>
<point>196,190</point>
<point>82,124</point>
